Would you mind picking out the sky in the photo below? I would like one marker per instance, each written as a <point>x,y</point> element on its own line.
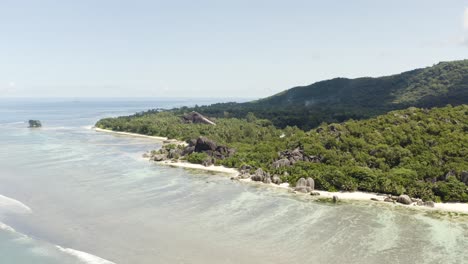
<point>238,48</point>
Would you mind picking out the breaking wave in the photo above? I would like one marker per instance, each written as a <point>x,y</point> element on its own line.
<point>85,257</point>
<point>11,205</point>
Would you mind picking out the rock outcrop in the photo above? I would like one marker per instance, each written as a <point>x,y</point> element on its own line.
<point>196,118</point>
<point>34,123</point>
<point>281,163</point>
<point>290,157</point>
<point>310,183</point>
<point>404,199</point>
<point>305,185</point>
<point>464,177</point>
<point>262,176</point>
<point>159,157</point>
<point>205,145</point>
<point>448,174</point>
<point>276,179</point>
<point>335,199</point>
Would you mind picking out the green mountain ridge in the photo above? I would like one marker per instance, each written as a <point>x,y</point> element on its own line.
<point>413,87</point>
<point>339,99</point>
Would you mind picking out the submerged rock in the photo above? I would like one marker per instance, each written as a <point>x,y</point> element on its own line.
<point>335,199</point>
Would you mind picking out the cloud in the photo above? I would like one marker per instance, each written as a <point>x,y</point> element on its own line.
<point>465,19</point>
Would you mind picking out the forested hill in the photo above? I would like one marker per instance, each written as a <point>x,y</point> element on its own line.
<point>419,152</point>
<point>340,99</point>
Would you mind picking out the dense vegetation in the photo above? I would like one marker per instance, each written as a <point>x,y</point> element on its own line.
<point>341,99</point>
<point>419,152</point>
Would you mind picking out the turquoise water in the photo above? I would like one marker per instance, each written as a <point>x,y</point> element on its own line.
<point>92,192</point>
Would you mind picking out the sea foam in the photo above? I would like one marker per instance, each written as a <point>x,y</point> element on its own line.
<point>85,257</point>
<point>10,204</point>
<point>7,227</point>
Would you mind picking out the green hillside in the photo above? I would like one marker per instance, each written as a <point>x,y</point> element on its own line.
<point>340,99</point>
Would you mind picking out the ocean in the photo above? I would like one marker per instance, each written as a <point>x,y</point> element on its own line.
<point>69,194</point>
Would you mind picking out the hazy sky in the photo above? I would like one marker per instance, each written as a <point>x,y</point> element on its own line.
<point>137,48</point>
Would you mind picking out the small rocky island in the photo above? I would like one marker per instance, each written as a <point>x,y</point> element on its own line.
<point>35,123</point>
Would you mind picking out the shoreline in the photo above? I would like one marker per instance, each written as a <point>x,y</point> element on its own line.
<point>350,196</point>
<point>187,165</point>
<point>158,138</point>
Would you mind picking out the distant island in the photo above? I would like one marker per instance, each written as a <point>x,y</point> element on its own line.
<point>404,135</point>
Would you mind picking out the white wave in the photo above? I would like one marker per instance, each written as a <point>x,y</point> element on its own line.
<point>21,238</point>
<point>82,256</point>
<point>13,205</point>
<point>7,228</point>
<point>85,257</point>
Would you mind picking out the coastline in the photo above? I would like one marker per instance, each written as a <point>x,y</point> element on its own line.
<point>350,196</point>
<point>175,141</point>
<point>212,168</point>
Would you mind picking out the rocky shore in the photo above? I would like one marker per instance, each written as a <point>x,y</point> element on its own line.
<point>175,155</point>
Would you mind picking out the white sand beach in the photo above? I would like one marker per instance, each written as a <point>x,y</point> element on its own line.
<point>139,135</point>
<point>367,196</point>
<point>211,168</point>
